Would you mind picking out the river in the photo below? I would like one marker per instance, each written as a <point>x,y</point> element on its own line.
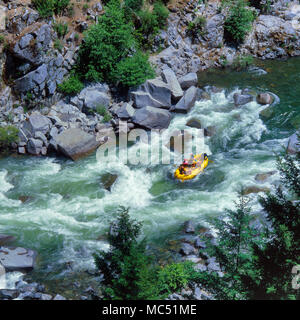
<point>67,211</point>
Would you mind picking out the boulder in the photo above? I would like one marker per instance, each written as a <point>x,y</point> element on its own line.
<point>264,98</point>
<point>159,90</point>
<point>152,118</point>
<point>199,243</point>
<point>188,80</point>
<point>170,78</point>
<point>194,123</point>
<point>75,143</point>
<point>126,111</point>
<point>267,113</point>
<point>293,144</point>
<point>8,294</point>
<point>2,18</point>
<point>34,146</point>
<point>17,259</point>
<point>36,122</point>
<point>143,99</point>
<point>210,131</point>
<point>254,189</point>
<point>59,297</point>
<point>4,238</point>
<point>189,227</point>
<point>187,101</point>
<point>108,179</point>
<point>241,99</point>
<point>187,249</point>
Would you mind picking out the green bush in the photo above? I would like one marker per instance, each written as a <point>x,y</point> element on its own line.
<point>8,135</point>
<point>134,70</point>
<point>134,5</point>
<point>71,86</point>
<point>61,29</point>
<point>242,62</point>
<point>105,44</point>
<point>46,8</point>
<point>239,22</point>
<point>161,13</point>
<point>196,27</point>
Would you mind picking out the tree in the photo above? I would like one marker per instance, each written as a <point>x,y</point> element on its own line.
<point>275,259</point>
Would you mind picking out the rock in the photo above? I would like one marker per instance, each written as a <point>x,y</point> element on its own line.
<point>75,143</point>
<point>254,189</point>
<point>186,102</point>
<point>108,179</point>
<point>213,265</point>
<point>189,80</point>
<point>170,78</point>
<point>267,113</point>
<point>143,99</point>
<point>199,243</point>
<point>34,146</point>
<point>189,227</point>
<point>126,111</point>
<point>200,267</point>
<point>241,99</point>
<point>187,249</point>
<point>17,259</point>
<point>159,90</point>
<point>21,150</point>
<point>152,118</point>
<point>261,177</point>
<point>264,98</point>
<point>36,122</point>
<point>8,294</point>
<point>293,144</point>
<point>194,123</point>
<point>4,239</point>
<point>95,96</point>
<point>210,131</point>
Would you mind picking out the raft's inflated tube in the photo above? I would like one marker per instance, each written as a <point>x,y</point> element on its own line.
<point>193,171</point>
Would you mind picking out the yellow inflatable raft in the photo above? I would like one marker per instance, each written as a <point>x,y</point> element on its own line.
<point>199,164</point>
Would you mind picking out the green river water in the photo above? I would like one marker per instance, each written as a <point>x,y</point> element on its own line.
<point>67,211</point>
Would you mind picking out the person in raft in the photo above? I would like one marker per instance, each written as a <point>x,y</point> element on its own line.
<point>191,163</point>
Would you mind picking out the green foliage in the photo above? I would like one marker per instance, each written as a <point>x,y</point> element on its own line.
<point>242,62</point>
<point>134,5</point>
<point>161,13</point>
<point>61,29</point>
<point>46,8</point>
<point>71,86</point>
<point>58,45</point>
<point>104,113</point>
<point>8,135</point>
<point>239,22</point>
<point>105,44</point>
<point>197,26</point>
<point>133,70</point>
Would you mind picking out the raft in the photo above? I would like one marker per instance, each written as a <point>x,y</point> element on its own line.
<point>191,173</point>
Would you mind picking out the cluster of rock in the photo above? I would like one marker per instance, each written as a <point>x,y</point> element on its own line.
<point>274,35</point>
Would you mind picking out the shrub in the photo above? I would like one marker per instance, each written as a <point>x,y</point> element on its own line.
<point>239,22</point>
<point>105,44</point>
<point>61,29</point>
<point>161,13</point>
<point>133,71</point>
<point>196,27</point>
<point>71,86</point>
<point>8,135</point>
<point>58,45</point>
<point>134,5</point>
<point>242,62</point>
<point>46,8</point>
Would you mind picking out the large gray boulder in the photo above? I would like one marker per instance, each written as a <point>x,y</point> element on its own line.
<point>159,90</point>
<point>17,259</point>
<point>143,99</point>
<point>34,146</point>
<point>152,118</point>
<point>293,144</point>
<point>36,122</point>
<point>188,80</point>
<point>94,96</point>
<point>170,78</point>
<point>75,143</point>
<point>187,101</point>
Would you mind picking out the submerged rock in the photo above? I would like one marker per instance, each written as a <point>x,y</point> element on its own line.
<point>254,189</point>
<point>261,177</point>
<point>4,238</point>
<point>194,123</point>
<point>108,179</point>
<point>189,227</point>
<point>241,99</point>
